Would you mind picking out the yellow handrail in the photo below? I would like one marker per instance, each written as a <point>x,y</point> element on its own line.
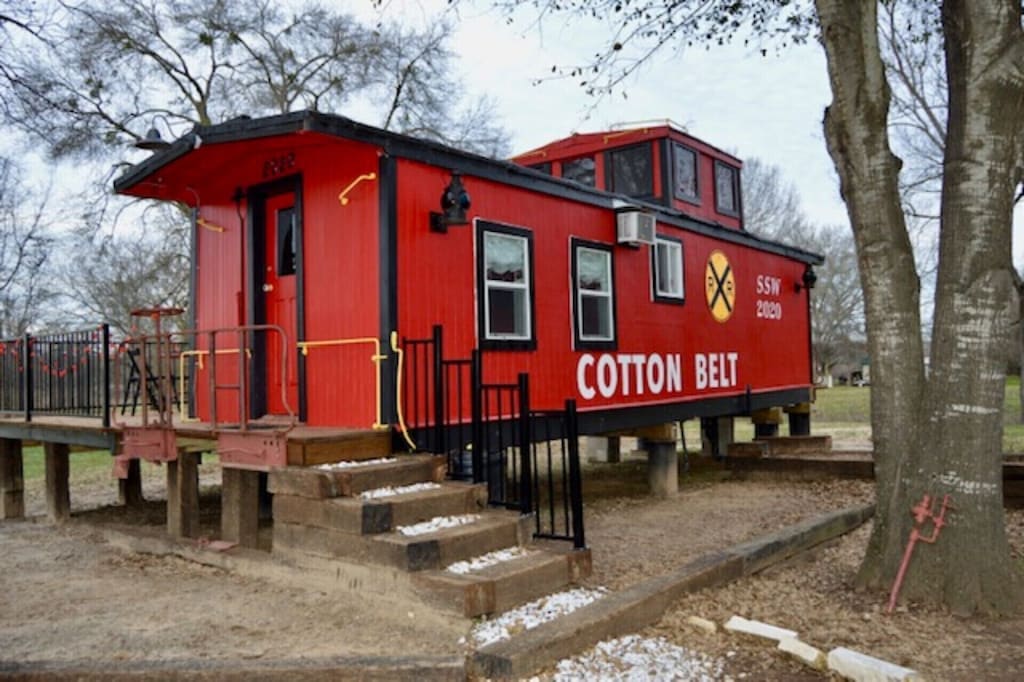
<point>376,358</point>
<point>398,391</point>
<point>198,354</point>
<point>343,196</point>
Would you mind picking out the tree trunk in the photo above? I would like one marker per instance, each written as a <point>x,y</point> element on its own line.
<point>941,435</point>
<point>1019,283</point>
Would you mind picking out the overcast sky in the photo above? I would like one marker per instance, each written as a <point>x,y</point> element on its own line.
<point>731,97</point>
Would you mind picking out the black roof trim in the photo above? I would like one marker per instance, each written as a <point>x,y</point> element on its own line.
<point>434,153</point>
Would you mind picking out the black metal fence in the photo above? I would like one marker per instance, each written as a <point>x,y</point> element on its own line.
<point>13,365</point>
<point>528,459</point>
<point>78,373</point>
<point>66,373</point>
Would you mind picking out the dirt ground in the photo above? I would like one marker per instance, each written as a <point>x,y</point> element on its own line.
<point>67,594</point>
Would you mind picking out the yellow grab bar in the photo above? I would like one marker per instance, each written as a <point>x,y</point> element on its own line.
<point>343,196</point>
<point>398,391</point>
<point>376,358</point>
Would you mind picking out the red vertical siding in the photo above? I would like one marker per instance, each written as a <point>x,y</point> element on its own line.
<point>340,254</point>
<point>437,285</point>
<point>342,282</point>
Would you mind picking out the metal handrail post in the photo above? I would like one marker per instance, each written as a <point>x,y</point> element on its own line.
<point>476,397</point>
<point>213,378</point>
<point>105,359</point>
<point>525,440</point>
<point>440,447</point>
<point>243,389</point>
<point>575,479</point>
<point>29,388</point>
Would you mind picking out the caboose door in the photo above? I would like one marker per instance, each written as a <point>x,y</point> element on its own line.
<point>281,243</point>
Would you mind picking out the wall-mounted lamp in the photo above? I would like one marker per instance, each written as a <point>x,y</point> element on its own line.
<point>454,203</point>
<point>809,279</point>
<point>153,142</point>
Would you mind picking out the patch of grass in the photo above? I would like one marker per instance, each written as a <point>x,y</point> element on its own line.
<point>842,404</point>
<point>1011,401</point>
<point>83,463</point>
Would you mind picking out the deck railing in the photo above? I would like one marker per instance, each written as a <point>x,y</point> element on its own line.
<point>66,373</point>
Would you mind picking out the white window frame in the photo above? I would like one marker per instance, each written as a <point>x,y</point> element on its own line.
<point>507,286</point>
<point>676,261</point>
<point>608,296</point>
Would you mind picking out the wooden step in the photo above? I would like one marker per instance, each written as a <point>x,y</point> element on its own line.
<point>311,446</point>
<point>381,514</point>
<point>318,483</point>
<point>507,584</point>
<point>493,530</point>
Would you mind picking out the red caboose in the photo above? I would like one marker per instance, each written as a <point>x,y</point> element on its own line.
<point>614,269</point>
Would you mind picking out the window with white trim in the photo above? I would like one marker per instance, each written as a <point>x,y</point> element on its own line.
<point>505,286</point>
<point>593,295</point>
<point>667,270</point>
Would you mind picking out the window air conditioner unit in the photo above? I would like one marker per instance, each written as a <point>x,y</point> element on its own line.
<point>635,227</point>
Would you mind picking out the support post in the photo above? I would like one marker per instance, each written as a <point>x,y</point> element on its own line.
<point>766,422</point>
<point>129,488</point>
<point>662,468</point>
<point>12,479</point>
<point>58,492</point>
<point>240,506</point>
<point>614,449</point>
<point>799,419</point>
<point>604,449</point>
<point>183,495</point>
<point>717,434</point>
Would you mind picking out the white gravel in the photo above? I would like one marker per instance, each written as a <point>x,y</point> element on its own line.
<point>532,614</point>
<point>639,659</point>
<point>437,523</point>
<point>489,559</point>
<point>352,464</point>
<point>390,491</point>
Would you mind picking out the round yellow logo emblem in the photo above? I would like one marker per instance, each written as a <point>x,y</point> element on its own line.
<point>719,286</point>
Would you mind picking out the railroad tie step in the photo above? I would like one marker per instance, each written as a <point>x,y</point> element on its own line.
<point>350,478</point>
<point>381,509</point>
<point>443,540</point>
<point>498,581</point>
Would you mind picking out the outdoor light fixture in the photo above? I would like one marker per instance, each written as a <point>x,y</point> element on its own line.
<point>808,280</point>
<point>153,142</point>
<point>454,203</point>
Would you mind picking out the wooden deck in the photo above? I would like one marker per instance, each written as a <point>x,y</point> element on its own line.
<point>307,445</point>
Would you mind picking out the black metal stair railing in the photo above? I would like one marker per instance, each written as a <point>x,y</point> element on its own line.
<point>528,459</point>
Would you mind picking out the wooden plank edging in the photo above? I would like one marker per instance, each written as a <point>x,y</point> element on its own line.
<point>631,609</point>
